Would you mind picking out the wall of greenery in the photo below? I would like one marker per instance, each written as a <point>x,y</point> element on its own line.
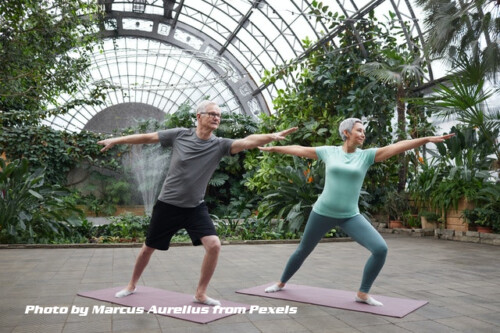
<point>270,195</point>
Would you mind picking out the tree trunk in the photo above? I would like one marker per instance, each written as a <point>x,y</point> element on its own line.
<point>401,110</point>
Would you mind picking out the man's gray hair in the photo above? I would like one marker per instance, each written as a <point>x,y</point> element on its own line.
<point>347,124</point>
<point>202,107</point>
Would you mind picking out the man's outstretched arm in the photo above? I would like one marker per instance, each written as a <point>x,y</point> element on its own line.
<point>129,139</point>
<point>257,140</point>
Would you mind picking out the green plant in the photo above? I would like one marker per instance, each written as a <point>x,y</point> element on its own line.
<point>118,192</point>
<point>422,184</point>
<point>328,88</point>
<point>412,220</point>
<point>125,226</point>
<point>99,206</point>
<point>396,205</point>
<point>464,98</point>
<point>45,52</point>
<point>55,151</point>
<point>430,216</point>
<point>403,70</point>
<point>459,169</point>
<point>292,196</point>
<point>456,27</point>
<point>32,211</point>
<point>487,210</point>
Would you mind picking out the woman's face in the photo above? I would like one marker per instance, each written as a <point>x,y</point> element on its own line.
<point>357,135</point>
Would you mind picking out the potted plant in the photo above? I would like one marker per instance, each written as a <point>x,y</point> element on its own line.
<point>485,217</point>
<point>396,206</point>
<point>428,219</point>
<point>482,219</point>
<point>412,221</point>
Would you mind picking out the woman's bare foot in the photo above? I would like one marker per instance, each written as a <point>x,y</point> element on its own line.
<point>275,287</point>
<point>365,298</point>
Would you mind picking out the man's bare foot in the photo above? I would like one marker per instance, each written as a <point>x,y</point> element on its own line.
<point>125,292</point>
<point>206,300</point>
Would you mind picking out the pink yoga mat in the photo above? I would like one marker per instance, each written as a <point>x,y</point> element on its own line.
<point>393,307</point>
<point>167,303</point>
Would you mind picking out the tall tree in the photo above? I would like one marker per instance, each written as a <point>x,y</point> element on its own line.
<point>45,50</point>
<point>464,26</point>
<point>403,70</point>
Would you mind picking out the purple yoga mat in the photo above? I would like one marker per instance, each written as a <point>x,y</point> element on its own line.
<point>393,307</point>
<point>168,303</point>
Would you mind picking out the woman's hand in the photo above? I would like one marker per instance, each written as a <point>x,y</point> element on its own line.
<point>441,138</point>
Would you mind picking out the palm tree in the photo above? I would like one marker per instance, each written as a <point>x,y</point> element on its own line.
<point>455,27</point>
<point>464,98</point>
<point>403,71</point>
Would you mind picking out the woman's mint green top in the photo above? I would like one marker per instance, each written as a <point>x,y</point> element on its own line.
<point>344,177</point>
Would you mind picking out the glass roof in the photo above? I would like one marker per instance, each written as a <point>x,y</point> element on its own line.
<point>165,53</point>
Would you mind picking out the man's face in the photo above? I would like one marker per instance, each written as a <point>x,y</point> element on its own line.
<point>210,118</point>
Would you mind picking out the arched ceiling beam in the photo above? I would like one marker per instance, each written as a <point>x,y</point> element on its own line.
<point>351,25</point>
<point>108,4</point>
<point>177,13</point>
<point>240,25</point>
<point>421,38</point>
<point>168,8</point>
<point>207,41</point>
<point>325,39</point>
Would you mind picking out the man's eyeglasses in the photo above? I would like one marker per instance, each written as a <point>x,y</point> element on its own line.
<point>212,115</point>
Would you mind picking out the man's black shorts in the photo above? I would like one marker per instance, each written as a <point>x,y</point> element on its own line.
<point>167,219</point>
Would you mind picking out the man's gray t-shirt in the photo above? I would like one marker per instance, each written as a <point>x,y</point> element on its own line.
<point>192,163</point>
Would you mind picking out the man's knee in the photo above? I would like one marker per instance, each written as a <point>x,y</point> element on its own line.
<point>212,244</point>
<point>146,250</point>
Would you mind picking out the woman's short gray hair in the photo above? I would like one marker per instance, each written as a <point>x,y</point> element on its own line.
<point>347,124</point>
<point>202,107</point>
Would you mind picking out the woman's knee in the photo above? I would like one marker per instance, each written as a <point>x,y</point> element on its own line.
<point>302,252</point>
<point>380,251</point>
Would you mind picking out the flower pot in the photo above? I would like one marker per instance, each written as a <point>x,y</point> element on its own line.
<point>486,230</point>
<point>395,224</point>
<point>426,224</point>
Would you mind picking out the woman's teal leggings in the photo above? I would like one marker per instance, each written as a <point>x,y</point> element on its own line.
<point>357,227</point>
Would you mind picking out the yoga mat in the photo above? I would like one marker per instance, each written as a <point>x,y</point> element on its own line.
<point>159,301</point>
<point>393,307</point>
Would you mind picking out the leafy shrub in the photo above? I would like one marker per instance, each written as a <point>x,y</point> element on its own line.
<point>32,211</point>
<point>293,194</point>
<point>126,225</point>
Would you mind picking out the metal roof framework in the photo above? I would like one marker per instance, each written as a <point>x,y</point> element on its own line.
<point>165,53</point>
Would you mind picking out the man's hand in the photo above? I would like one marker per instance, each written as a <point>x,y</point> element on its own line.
<point>107,143</point>
<point>281,135</point>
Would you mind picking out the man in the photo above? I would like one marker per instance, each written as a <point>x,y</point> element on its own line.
<point>196,152</point>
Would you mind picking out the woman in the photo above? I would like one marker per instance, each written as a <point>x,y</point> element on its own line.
<point>346,168</point>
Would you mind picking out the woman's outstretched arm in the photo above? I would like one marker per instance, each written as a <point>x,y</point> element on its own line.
<point>301,151</point>
<point>399,147</point>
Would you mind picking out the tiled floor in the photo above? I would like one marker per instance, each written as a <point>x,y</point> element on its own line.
<point>461,281</point>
